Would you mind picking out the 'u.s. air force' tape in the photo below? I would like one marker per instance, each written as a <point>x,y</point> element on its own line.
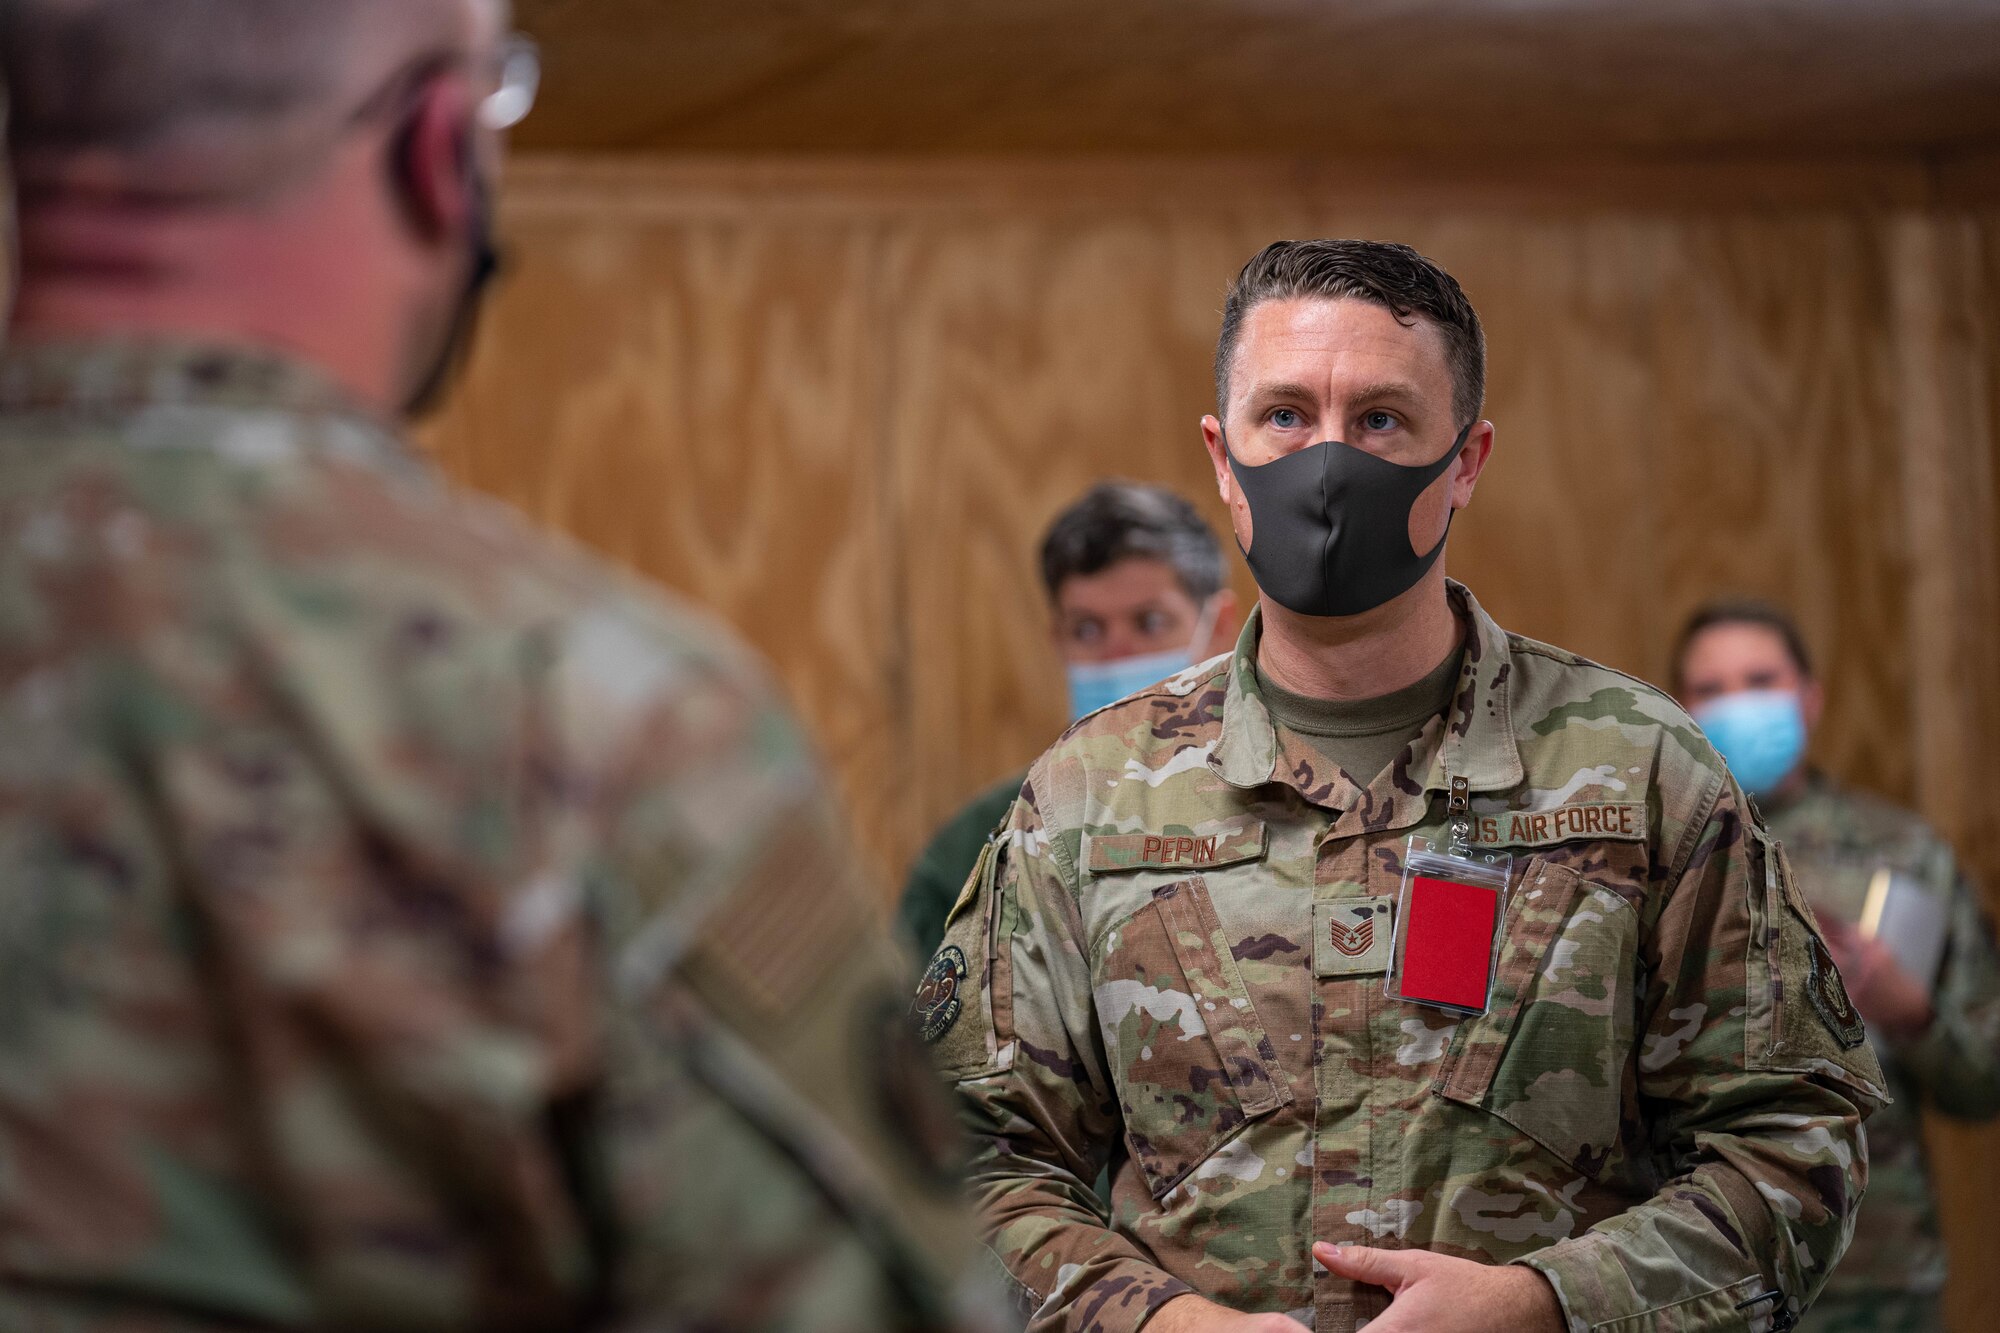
<point>1590,821</point>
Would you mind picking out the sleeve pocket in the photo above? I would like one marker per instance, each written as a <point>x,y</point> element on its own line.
<point>1799,1018</point>
<point>964,1001</point>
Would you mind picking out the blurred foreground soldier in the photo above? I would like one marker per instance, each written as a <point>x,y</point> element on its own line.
<point>404,922</point>
<point>1611,1082</point>
<point>1135,586</point>
<point>1908,932</point>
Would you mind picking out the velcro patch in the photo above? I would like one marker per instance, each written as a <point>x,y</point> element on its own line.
<point>1174,849</point>
<point>798,911</point>
<point>1588,822</point>
<point>1351,936</point>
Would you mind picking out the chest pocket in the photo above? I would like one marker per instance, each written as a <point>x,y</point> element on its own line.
<point>1551,1056</point>
<point>1189,1056</point>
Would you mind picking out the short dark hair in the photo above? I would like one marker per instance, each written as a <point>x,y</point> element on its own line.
<point>1382,273</point>
<point>1120,520</point>
<point>201,99</point>
<point>1740,611</point>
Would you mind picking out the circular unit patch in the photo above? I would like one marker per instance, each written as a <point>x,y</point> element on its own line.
<point>938,1005</point>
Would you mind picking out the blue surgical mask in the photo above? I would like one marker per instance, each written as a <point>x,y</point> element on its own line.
<point>1092,685</point>
<point>1761,735</point>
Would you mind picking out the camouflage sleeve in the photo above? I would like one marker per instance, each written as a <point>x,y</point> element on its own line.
<point>631,1047</point>
<point>1753,1077</point>
<point>775,1148</point>
<point>1007,1006</point>
<point>1957,1062</point>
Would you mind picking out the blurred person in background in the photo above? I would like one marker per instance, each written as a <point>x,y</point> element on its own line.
<point>1916,950</point>
<point>1136,593</point>
<point>1339,1084</point>
<point>405,922</point>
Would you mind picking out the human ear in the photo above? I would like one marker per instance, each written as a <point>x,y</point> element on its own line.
<point>1471,463</point>
<point>431,162</point>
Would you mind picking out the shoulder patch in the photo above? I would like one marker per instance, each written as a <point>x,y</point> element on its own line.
<point>1174,848</point>
<point>1830,999</point>
<point>1584,822</point>
<point>774,940</point>
<point>938,1003</point>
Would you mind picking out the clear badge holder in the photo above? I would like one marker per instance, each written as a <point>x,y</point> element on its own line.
<point>1448,917</point>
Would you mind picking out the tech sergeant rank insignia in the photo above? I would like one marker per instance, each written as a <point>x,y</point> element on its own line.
<point>937,1005</point>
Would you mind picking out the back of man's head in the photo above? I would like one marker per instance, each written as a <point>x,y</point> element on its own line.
<point>309,176</point>
<point>201,100</point>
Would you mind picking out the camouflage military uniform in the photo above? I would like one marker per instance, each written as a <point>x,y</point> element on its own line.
<point>405,923</point>
<point>1837,840</point>
<point>1174,955</point>
<point>941,870</point>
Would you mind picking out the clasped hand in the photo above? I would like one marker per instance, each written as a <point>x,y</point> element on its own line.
<point>1428,1293</point>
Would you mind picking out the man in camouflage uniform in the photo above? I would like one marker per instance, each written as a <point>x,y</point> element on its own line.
<point>1174,955</point>
<point>405,923</point>
<point>1938,1036</point>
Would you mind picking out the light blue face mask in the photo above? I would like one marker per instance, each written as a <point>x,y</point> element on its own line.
<point>1092,685</point>
<point>1761,735</point>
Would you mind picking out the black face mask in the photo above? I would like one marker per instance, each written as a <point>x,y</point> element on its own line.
<point>484,267</point>
<point>1331,526</point>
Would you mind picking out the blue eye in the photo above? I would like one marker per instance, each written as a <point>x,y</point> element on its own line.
<point>1379,421</point>
<point>1286,419</point>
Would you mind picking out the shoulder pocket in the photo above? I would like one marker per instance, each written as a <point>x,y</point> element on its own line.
<point>1550,1055</point>
<point>1190,1058</point>
<point>1798,1015</point>
<point>964,1002</point>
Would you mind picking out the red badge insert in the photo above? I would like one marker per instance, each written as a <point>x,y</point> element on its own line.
<point>1448,953</point>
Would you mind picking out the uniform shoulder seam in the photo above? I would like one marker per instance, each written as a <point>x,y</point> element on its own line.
<point>1162,688</point>
<point>1563,657</point>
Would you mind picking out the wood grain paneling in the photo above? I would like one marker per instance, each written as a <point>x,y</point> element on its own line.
<point>838,402</point>
<point>1946,329</point>
<point>700,400</point>
<point>1778,408</point>
<point>1263,75</point>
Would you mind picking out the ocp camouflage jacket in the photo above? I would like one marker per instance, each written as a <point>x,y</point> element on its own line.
<point>1174,957</point>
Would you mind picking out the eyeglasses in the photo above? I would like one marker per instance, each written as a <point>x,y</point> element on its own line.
<point>520,80</point>
<point>517,73</point>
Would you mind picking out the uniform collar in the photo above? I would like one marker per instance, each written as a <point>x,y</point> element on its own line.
<point>141,374</point>
<point>1477,744</point>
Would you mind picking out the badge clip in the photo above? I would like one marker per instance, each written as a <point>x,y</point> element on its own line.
<point>1447,935</point>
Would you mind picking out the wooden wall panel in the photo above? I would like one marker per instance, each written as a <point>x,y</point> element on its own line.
<point>1777,414</point>
<point>1560,540</point>
<point>1944,305</point>
<point>1030,362</point>
<point>699,400</point>
<point>838,405</point>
